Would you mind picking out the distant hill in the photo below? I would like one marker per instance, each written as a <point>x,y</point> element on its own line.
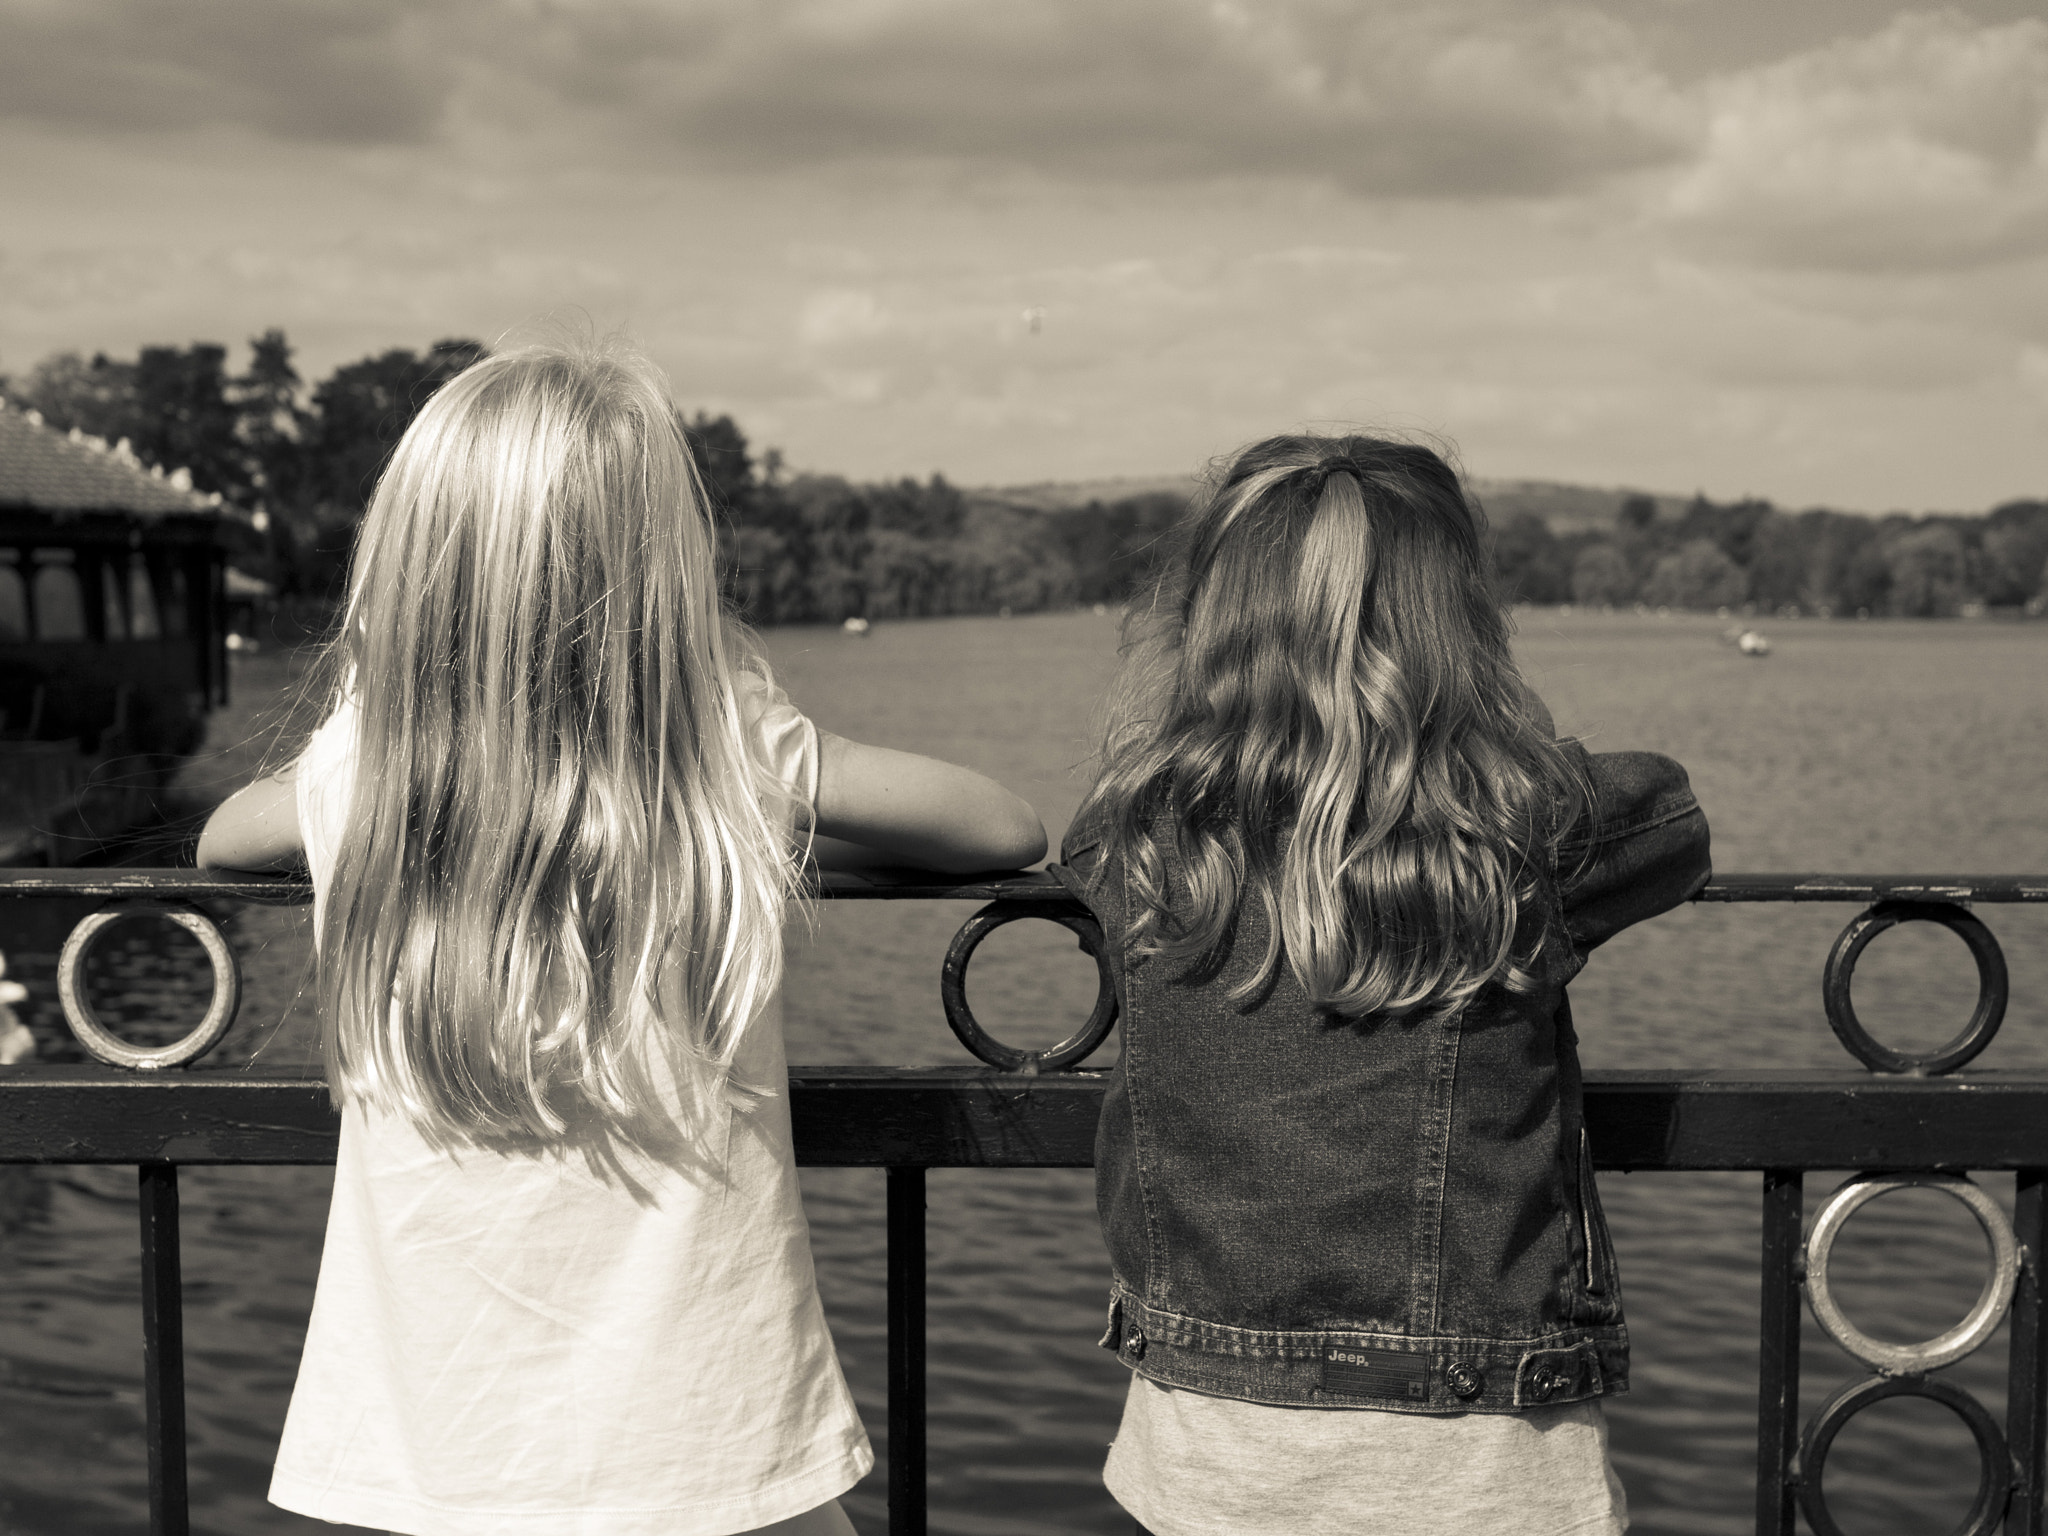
<point>1566,508</point>
<point>1062,495</point>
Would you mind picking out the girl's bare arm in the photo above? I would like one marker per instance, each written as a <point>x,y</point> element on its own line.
<point>255,828</point>
<point>914,810</point>
<point>920,811</point>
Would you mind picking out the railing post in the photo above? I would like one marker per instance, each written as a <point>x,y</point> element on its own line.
<point>1777,1410</point>
<point>2027,1374</point>
<point>163,1348</point>
<point>906,1352</point>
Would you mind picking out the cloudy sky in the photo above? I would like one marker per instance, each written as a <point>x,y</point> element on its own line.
<point>1795,248</point>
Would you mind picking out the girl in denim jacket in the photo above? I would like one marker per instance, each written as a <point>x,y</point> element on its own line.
<point>1361,1275</point>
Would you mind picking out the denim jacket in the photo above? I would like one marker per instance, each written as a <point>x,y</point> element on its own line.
<point>1317,1212</point>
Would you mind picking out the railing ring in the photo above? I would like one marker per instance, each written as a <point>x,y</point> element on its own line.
<point>1991,987</point>
<point>1943,1349</point>
<point>1994,1477</point>
<point>103,1042</point>
<point>953,987</point>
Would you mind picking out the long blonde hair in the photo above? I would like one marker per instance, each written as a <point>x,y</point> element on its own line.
<point>1321,717</point>
<point>557,898</point>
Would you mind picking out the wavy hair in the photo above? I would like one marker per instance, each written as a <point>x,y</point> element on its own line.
<point>557,898</point>
<point>1320,716</point>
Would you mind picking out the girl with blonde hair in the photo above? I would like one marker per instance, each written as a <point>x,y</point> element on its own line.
<point>553,820</point>
<point>1360,1272</point>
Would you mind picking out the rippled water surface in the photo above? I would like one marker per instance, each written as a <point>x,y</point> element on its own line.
<point>1853,747</point>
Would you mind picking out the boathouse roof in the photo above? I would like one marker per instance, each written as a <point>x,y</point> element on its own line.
<point>44,470</point>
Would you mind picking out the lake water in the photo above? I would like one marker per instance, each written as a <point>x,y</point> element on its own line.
<point>1854,747</point>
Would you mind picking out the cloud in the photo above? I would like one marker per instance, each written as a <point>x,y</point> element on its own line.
<point>2032,368</point>
<point>344,70</point>
<point>1457,97</point>
<point>838,315</point>
<point>1923,146</point>
<point>1470,99</point>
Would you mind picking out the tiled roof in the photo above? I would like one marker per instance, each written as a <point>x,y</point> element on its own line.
<point>54,471</point>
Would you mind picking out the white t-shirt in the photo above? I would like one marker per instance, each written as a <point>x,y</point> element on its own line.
<point>506,1344</point>
<point>1188,1464</point>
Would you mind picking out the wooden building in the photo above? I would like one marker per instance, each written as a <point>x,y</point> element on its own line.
<point>112,634</point>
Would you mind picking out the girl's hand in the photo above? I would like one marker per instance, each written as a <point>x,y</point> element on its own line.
<point>920,811</point>
<point>256,827</point>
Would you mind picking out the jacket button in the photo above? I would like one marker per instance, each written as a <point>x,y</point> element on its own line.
<point>1466,1380</point>
<point>1134,1343</point>
<point>1542,1383</point>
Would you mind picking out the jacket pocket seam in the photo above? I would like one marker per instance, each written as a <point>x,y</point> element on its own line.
<point>1129,1053</point>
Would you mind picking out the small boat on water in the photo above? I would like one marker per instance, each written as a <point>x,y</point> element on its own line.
<point>113,609</point>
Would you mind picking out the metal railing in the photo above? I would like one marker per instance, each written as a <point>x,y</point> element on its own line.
<point>1903,1121</point>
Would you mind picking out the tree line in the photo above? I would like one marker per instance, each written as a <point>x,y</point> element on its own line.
<point>302,462</point>
<point>819,548</point>
<point>1748,553</point>
<point>813,548</point>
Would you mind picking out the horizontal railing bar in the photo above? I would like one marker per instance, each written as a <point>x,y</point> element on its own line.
<point>970,1117</point>
<point>190,884</point>
<point>920,885</point>
<point>1871,888</point>
<point>286,890</point>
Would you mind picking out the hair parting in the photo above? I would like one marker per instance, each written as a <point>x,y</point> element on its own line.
<point>1320,717</point>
